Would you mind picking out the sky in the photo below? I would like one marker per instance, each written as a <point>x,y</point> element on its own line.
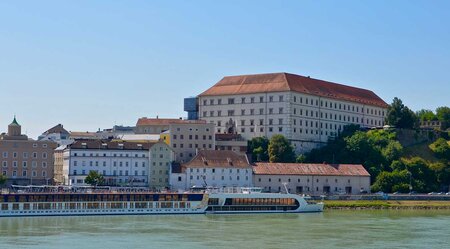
<point>94,64</point>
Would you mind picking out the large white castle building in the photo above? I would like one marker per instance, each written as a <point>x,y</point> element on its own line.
<point>305,110</point>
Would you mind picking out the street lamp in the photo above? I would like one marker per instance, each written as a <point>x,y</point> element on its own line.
<point>410,181</point>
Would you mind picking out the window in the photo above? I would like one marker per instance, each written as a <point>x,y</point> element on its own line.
<point>261,99</point>
<point>230,112</point>
<point>280,121</point>
<point>280,98</point>
<point>280,110</point>
<point>242,100</point>
<point>270,98</point>
<point>243,112</point>
<point>261,111</point>
<point>231,101</point>
<point>252,100</point>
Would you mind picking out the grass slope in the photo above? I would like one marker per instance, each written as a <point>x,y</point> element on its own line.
<point>351,204</point>
<point>421,150</point>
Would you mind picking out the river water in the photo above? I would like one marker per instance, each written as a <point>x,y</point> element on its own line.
<point>331,229</point>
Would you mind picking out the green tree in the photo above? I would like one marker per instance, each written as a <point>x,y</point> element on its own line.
<point>3,179</point>
<point>392,181</point>
<point>441,148</point>
<point>300,158</point>
<point>423,177</point>
<point>280,150</point>
<point>94,178</point>
<point>392,151</point>
<point>258,147</point>
<point>443,115</point>
<point>442,172</point>
<point>426,115</point>
<point>400,116</point>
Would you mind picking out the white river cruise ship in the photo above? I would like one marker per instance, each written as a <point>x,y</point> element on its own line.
<point>137,202</point>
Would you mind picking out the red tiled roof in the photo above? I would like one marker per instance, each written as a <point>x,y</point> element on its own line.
<point>280,82</point>
<point>309,169</point>
<point>166,121</point>
<point>218,158</point>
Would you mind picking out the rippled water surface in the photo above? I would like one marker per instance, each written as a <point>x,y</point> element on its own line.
<point>331,229</point>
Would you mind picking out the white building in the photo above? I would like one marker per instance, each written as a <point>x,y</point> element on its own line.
<point>307,111</point>
<point>213,168</point>
<point>313,179</point>
<point>121,163</point>
<point>57,134</point>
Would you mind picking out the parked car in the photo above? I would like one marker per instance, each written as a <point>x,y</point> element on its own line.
<point>432,193</point>
<point>448,193</point>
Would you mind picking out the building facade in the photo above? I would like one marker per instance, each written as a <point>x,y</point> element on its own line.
<point>213,168</point>
<point>25,161</point>
<point>191,107</point>
<point>120,163</point>
<point>233,142</point>
<point>58,165</point>
<point>313,179</point>
<point>188,137</point>
<point>307,111</point>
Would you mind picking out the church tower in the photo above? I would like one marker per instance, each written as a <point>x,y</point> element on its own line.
<point>14,129</point>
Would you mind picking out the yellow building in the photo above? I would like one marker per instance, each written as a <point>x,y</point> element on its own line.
<point>165,137</point>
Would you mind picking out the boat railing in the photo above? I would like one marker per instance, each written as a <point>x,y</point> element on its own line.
<point>234,190</point>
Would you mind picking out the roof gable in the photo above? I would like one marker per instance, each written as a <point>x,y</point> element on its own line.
<point>57,129</point>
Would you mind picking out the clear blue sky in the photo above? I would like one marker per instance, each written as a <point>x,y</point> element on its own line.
<point>93,64</point>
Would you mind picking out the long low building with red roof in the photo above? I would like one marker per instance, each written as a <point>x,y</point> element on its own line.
<point>307,111</point>
<point>314,179</point>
